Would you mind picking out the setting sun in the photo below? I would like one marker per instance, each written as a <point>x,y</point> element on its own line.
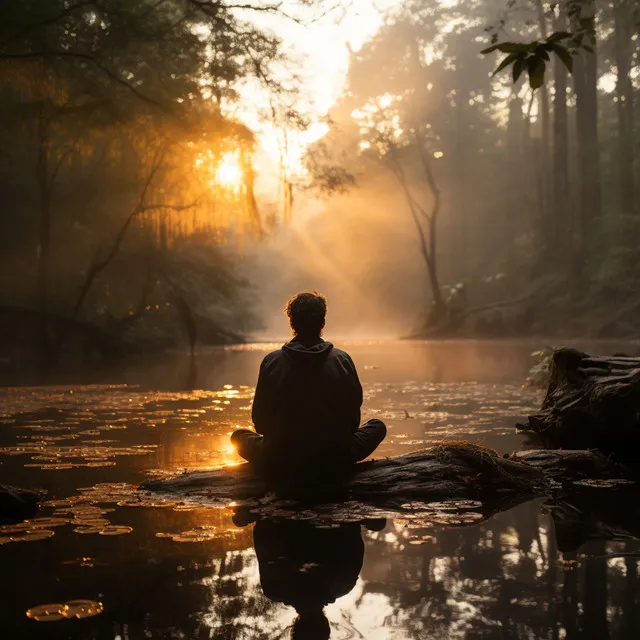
<point>228,173</point>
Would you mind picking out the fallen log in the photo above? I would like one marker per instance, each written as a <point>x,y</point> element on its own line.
<point>449,471</point>
<point>591,402</point>
<point>18,504</point>
<point>454,470</point>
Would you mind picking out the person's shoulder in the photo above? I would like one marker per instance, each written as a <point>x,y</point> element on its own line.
<point>342,356</point>
<point>272,357</point>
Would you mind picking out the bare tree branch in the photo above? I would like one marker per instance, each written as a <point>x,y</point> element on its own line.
<point>402,179</point>
<point>99,266</point>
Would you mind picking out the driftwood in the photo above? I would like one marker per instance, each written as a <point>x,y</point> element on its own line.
<point>18,504</point>
<point>450,471</point>
<point>592,402</point>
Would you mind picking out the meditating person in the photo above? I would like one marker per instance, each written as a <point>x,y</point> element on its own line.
<point>306,408</point>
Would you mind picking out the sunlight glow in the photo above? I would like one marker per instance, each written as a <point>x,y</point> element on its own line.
<point>228,173</point>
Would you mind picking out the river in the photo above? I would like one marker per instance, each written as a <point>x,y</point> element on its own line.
<point>171,570</point>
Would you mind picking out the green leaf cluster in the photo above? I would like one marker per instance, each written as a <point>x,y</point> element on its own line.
<point>533,57</point>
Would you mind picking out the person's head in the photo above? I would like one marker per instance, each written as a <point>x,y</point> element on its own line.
<point>311,625</point>
<point>306,312</point>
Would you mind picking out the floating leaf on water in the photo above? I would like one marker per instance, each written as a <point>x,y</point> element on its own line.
<point>106,463</point>
<point>195,535</point>
<point>88,530</point>
<point>57,503</point>
<point>47,612</point>
<point>457,519</point>
<point>32,536</point>
<point>305,515</point>
<point>156,504</point>
<point>46,523</point>
<point>14,528</point>
<point>182,537</point>
<point>414,524</point>
<point>418,506</point>
<point>115,530</point>
<point>56,466</point>
<point>73,609</point>
<point>454,505</point>
<point>90,522</point>
<point>83,608</point>
<point>130,503</point>
<point>609,483</point>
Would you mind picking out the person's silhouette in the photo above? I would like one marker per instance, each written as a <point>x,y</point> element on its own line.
<point>306,409</point>
<point>307,568</point>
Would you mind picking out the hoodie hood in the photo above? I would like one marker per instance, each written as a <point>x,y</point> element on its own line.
<point>299,352</point>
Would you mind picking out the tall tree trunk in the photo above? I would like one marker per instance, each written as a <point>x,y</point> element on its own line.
<point>516,145</point>
<point>439,304</point>
<point>545,145</point>
<point>624,90</point>
<point>562,211</point>
<point>590,191</point>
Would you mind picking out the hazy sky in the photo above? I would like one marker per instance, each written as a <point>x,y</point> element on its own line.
<point>320,47</point>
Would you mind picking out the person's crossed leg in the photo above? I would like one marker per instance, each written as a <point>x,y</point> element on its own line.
<point>362,444</point>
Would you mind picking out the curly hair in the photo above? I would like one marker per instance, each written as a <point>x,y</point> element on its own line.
<point>306,312</point>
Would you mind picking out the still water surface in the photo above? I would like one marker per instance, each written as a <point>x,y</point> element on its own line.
<point>170,570</point>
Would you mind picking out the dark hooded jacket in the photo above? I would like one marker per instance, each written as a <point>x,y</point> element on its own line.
<point>307,403</point>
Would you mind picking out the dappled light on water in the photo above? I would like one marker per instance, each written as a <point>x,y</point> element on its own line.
<point>188,561</point>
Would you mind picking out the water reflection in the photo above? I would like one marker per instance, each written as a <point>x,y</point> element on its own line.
<point>562,569</point>
<point>307,568</point>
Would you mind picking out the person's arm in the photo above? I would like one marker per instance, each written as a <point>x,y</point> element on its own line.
<point>260,412</point>
<point>354,400</point>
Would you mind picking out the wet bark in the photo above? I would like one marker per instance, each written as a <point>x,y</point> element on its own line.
<point>592,402</point>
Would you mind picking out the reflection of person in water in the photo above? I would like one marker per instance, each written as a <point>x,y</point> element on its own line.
<point>307,568</point>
